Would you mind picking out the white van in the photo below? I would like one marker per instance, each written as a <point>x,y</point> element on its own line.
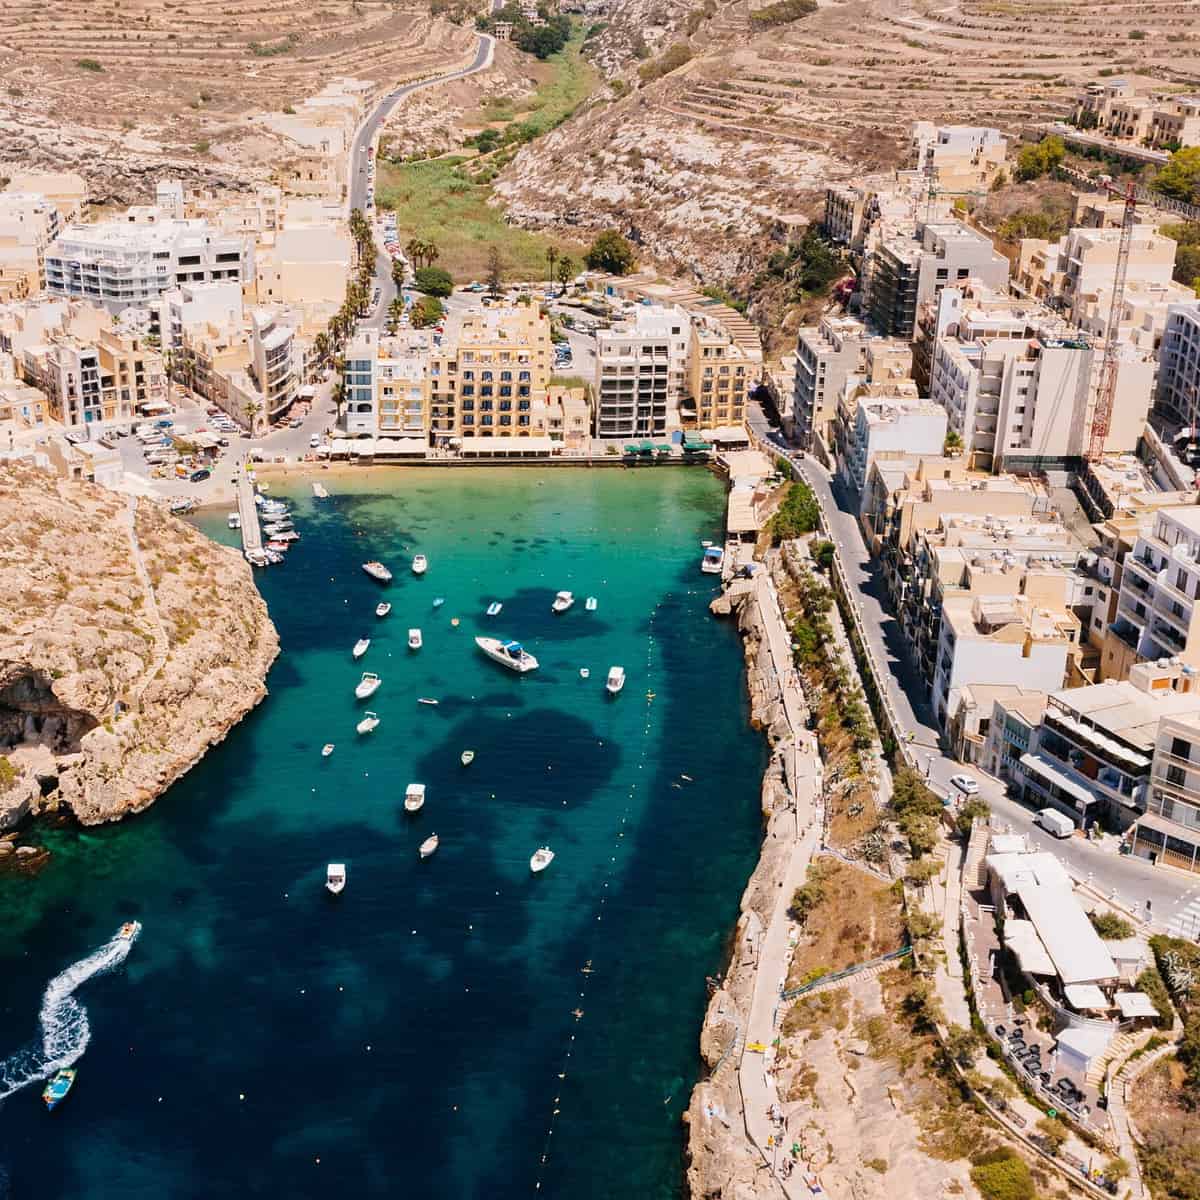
<point>1052,821</point>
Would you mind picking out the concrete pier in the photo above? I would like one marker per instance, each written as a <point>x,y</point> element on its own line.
<point>251,530</point>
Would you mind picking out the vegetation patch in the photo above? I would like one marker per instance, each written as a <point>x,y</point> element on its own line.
<point>670,60</point>
<point>1002,1175</point>
<point>782,12</point>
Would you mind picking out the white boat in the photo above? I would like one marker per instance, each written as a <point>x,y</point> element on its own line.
<point>360,647</point>
<point>335,878</point>
<point>235,521</point>
<point>420,564</point>
<point>591,603</point>
<point>382,608</point>
<point>257,558</point>
<point>368,723</point>
<point>274,558</point>
<point>377,570</point>
<point>510,654</point>
<point>414,797</point>
<point>428,846</point>
<point>562,601</point>
<point>414,639</point>
<point>713,560</point>
<point>320,492</point>
<point>584,673</point>
<point>184,504</point>
<point>467,757</point>
<point>368,685</point>
<point>426,700</point>
<point>438,601</point>
<point>493,609</point>
<point>543,856</point>
<point>616,680</point>
<point>278,547</point>
<point>327,750</point>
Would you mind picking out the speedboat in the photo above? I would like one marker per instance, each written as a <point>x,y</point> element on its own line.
<point>335,878</point>
<point>368,685</point>
<point>562,601</point>
<point>319,491</point>
<point>382,608</point>
<point>713,560</point>
<point>584,673</point>
<point>278,547</point>
<point>55,1092</point>
<point>360,647</point>
<point>327,750</point>
<point>467,757</point>
<point>274,557</point>
<point>129,930</point>
<point>184,504</point>
<point>426,700</point>
<point>235,521</point>
<point>616,680</point>
<point>591,603</point>
<point>286,534</point>
<point>377,570</point>
<point>414,639</point>
<point>257,558</point>
<point>543,856</point>
<point>414,797</point>
<point>510,654</point>
<point>428,846</point>
<point>368,723</point>
<point>493,609</point>
<point>420,564</point>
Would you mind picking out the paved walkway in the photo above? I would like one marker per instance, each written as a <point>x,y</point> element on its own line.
<point>162,645</point>
<point>248,510</point>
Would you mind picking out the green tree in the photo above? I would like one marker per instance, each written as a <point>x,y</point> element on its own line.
<point>251,408</point>
<point>427,311</point>
<point>610,252</point>
<point>1179,178</point>
<point>551,259</point>
<point>566,272</point>
<point>1001,1175</point>
<point>414,251</point>
<point>1041,158</point>
<point>822,553</point>
<point>973,809</point>
<point>962,1045</point>
<point>1054,1133</point>
<point>495,272</point>
<point>434,281</point>
<point>797,514</point>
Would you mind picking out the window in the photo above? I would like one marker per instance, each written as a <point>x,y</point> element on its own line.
<point>1176,775</point>
<point>1181,748</point>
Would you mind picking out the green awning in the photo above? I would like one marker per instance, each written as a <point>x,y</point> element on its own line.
<point>631,449</point>
<point>697,446</point>
<point>646,447</point>
<point>663,449</point>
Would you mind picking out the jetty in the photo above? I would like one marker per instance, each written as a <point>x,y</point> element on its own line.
<point>251,530</point>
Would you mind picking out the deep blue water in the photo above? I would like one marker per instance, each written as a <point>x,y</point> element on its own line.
<point>416,1035</point>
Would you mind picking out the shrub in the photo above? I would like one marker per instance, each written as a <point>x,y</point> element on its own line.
<point>1109,926</point>
<point>426,311</point>
<point>973,809</point>
<point>797,515</point>
<point>8,774</point>
<point>433,281</point>
<point>88,64</point>
<point>1040,159</point>
<point>670,60</point>
<point>610,252</point>
<point>1054,1133</point>
<point>810,893</point>
<point>782,12</point>
<point>1151,982</point>
<point>822,553</point>
<point>1001,1175</point>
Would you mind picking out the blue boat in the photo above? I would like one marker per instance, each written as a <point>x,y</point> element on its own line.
<point>55,1092</point>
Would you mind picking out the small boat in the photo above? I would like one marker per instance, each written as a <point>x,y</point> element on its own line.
<point>706,543</point>
<point>712,560</point>
<point>562,601</point>
<point>274,557</point>
<point>382,608</point>
<point>428,846</point>
<point>420,564</point>
<point>184,504</point>
<point>368,723</point>
<point>493,609</point>
<point>454,622</point>
<point>377,570</point>
<point>542,858</point>
<point>235,521</point>
<point>415,641</point>
<point>282,535</point>
<point>438,601</point>
<point>319,491</point>
<point>616,680</point>
<point>414,797</point>
<point>278,547</point>
<point>591,603</point>
<point>368,685</point>
<point>335,878</point>
<point>129,930</point>
<point>327,750</point>
<point>467,757</point>
<point>425,700</point>
<point>510,654</point>
<point>257,558</point>
<point>360,647</point>
<point>55,1092</point>
<point>584,673</point>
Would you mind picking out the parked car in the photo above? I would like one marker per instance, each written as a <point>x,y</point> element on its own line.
<point>314,441</point>
<point>200,476</point>
<point>1052,821</point>
<point>965,784</point>
<point>295,423</point>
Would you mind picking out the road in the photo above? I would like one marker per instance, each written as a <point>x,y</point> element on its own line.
<point>1173,895</point>
<point>360,184</point>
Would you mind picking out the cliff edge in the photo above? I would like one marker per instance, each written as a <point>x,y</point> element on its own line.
<point>129,644</point>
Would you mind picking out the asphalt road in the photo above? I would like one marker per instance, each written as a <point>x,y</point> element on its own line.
<point>1172,894</point>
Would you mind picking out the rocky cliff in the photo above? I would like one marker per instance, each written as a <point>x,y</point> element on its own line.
<point>129,644</point>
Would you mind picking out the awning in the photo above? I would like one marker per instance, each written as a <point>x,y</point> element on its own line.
<point>362,448</point>
<point>153,406</point>
<point>400,446</point>
<point>1022,939</point>
<point>729,433</point>
<point>1085,996</point>
<point>512,446</point>
<point>1049,773</point>
<point>1168,828</point>
<point>629,449</point>
<point>1135,1004</point>
<point>696,447</point>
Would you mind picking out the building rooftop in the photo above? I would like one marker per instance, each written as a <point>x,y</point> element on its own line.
<point>1124,711</point>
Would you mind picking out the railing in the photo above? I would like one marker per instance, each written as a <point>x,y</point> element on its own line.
<point>846,973</point>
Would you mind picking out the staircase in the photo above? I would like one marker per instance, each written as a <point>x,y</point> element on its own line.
<point>1118,1050</point>
<point>974,870</point>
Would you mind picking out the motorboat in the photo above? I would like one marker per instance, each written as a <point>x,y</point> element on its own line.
<point>257,558</point>
<point>591,604</point>
<point>377,570</point>
<point>185,504</point>
<point>616,680</point>
<point>543,856</point>
<point>382,608</point>
<point>335,878</point>
<point>428,846</point>
<point>414,797</point>
<point>415,641</point>
<point>282,535</point>
<point>319,491</point>
<point>234,521</point>
<point>55,1092</point>
<point>129,930</point>
<point>278,547</point>
<point>493,609</point>
<point>360,647</point>
<point>562,601</point>
<point>438,601</point>
<point>511,654</point>
<point>426,700</point>
<point>274,557</point>
<point>584,673</point>
<point>467,757</point>
<point>327,750</point>
<point>420,564</point>
<point>712,560</point>
<point>368,685</point>
<point>369,722</point>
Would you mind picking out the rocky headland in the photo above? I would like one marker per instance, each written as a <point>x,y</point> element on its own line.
<point>129,644</point>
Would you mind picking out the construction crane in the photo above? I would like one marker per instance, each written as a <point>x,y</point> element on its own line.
<point>1107,389</point>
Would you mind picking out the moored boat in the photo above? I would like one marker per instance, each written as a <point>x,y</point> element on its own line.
<point>319,491</point>
<point>278,547</point>
<point>360,647</point>
<point>377,570</point>
<point>327,750</point>
<point>368,685</point>
<point>415,641</point>
<point>420,564</point>
<point>562,601</point>
<point>335,878</point>
<point>55,1092</point>
<point>426,700</point>
<point>428,846</point>
<point>591,603</point>
<point>414,797</point>
<point>257,558</point>
<point>185,504</point>
<point>615,681</point>
<point>234,521</point>
<point>510,654</point>
<point>543,856</point>
<point>467,757</point>
<point>493,609</point>
<point>584,673</point>
<point>382,608</point>
<point>438,601</point>
<point>369,722</point>
<point>712,560</point>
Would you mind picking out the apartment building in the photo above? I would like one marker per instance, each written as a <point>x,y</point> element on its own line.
<point>897,421</point>
<point>1178,390</point>
<point>29,222</point>
<point>1168,831</point>
<point>1117,108</point>
<point>276,360</point>
<point>182,310</point>
<point>958,158</point>
<point>22,406</point>
<point>723,369</point>
<point>641,373</point>
<point>305,265</point>
<point>402,382</point>
<point>360,413</point>
<point>67,191</point>
<point>117,263</point>
<point>825,355</point>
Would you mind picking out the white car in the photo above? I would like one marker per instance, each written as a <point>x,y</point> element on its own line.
<point>965,784</point>
<point>314,442</point>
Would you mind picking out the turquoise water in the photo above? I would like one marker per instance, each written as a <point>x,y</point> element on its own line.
<point>416,1036</point>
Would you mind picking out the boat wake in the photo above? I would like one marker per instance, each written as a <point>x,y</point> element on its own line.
<point>64,1021</point>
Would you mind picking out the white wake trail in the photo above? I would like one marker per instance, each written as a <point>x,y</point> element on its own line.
<point>64,1022</point>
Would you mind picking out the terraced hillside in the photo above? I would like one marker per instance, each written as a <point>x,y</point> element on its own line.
<point>720,154</point>
<point>147,80</point>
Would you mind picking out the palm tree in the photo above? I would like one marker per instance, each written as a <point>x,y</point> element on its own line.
<point>339,395</point>
<point>412,251</point>
<point>321,346</point>
<point>431,254</point>
<point>251,408</point>
<point>566,272</point>
<point>551,258</point>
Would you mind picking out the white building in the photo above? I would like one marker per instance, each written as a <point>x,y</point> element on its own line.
<point>825,355</point>
<point>193,305</point>
<point>1178,391</point>
<point>897,423</point>
<point>958,158</point>
<point>276,360</point>
<point>359,413</point>
<point>640,374</point>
